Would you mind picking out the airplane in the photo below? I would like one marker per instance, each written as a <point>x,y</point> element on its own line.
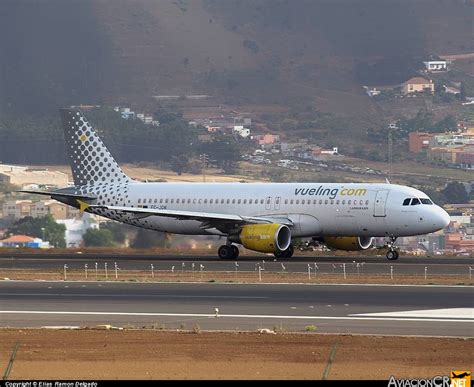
<point>263,217</point>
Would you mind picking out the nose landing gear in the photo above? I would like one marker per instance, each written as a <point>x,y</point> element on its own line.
<point>392,253</point>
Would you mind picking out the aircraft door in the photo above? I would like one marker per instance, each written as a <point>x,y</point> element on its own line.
<point>277,203</point>
<point>380,203</point>
<point>268,203</point>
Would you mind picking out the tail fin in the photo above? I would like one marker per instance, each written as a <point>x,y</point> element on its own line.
<point>91,162</point>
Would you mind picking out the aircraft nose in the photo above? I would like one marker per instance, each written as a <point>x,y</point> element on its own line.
<point>442,218</point>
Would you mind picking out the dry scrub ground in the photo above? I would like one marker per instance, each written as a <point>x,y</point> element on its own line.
<point>229,276</point>
<point>148,354</point>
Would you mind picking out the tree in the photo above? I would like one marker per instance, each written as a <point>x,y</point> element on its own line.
<point>455,192</point>
<point>147,238</point>
<point>462,94</point>
<point>179,163</point>
<point>118,230</point>
<point>44,227</point>
<point>98,238</point>
<point>447,124</point>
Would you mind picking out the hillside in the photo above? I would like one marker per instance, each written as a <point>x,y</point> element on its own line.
<point>245,51</point>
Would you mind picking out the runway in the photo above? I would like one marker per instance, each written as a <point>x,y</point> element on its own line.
<point>353,265</point>
<point>359,309</point>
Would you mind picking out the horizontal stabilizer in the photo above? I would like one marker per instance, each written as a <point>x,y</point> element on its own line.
<point>60,193</point>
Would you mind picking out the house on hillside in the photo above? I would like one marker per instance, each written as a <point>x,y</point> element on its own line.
<point>451,90</point>
<point>417,85</point>
<point>17,241</point>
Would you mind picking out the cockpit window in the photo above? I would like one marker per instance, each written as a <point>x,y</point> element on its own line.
<point>415,201</point>
<point>426,201</point>
<point>406,202</point>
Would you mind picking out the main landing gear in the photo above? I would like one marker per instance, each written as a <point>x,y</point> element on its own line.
<point>228,252</point>
<point>288,253</point>
<point>392,253</point>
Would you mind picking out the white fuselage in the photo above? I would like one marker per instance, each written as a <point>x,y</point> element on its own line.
<point>315,209</point>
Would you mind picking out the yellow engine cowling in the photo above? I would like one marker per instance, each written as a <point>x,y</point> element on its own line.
<point>265,238</point>
<point>349,243</point>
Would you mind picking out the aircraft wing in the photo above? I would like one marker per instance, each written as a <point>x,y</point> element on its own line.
<point>210,219</point>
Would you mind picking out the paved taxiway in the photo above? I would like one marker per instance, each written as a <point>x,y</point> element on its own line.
<point>363,265</point>
<point>370,309</point>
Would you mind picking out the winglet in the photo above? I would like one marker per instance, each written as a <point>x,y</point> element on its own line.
<point>82,205</point>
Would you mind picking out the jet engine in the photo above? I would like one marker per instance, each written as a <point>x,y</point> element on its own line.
<point>349,243</point>
<point>265,238</point>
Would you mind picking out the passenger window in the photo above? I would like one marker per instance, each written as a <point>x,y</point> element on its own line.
<point>332,202</point>
<point>189,201</point>
<point>245,201</point>
<point>366,202</point>
<point>156,201</point>
<point>337,202</point>
<point>250,201</point>
<point>177,201</point>
<point>406,202</point>
<point>297,201</point>
<point>343,202</point>
<point>291,201</point>
<point>200,201</point>
<point>166,200</point>
<point>286,201</point>
<point>150,200</point>
<point>415,201</point>
<point>238,201</point>
<point>233,201</point>
<point>349,202</point>
<point>302,201</point>
<point>139,201</point>
<point>211,201</point>
<point>261,201</point>
<point>320,201</point>
<point>172,201</point>
<point>228,201</point>
<point>205,201</point>
<point>326,201</point>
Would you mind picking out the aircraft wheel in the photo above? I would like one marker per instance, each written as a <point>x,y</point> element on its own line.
<point>225,252</point>
<point>235,250</point>
<point>288,253</point>
<point>279,254</point>
<point>392,255</point>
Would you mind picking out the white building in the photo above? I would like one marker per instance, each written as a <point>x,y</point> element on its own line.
<point>436,65</point>
<point>76,228</point>
<point>241,131</point>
